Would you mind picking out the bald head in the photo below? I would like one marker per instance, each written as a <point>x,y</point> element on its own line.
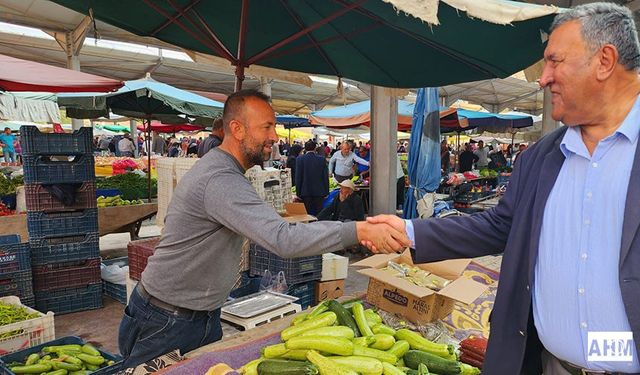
<point>236,103</point>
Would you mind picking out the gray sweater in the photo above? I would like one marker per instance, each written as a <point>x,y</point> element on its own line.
<point>213,207</point>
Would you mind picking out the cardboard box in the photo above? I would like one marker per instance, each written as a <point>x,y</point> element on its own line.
<point>329,290</point>
<point>334,267</point>
<point>296,213</point>
<point>416,303</point>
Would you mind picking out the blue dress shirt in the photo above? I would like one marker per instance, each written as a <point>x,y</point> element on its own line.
<point>576,286</point>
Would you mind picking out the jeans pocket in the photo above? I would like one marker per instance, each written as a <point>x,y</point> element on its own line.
<point>155,325</point>
<point>213,329</point>
<point>127,333</point>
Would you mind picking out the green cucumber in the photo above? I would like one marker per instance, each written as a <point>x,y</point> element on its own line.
<point>413,359</point>
<point>286,367</point>
<point>344,316</point>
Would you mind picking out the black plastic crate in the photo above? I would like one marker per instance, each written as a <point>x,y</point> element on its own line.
<point>34,142</point>
<point>64,248</point>
<point>23,354</point>
<point>66,275</point>
<point>248,285</point>
<point>64,223</point>
<point>297,270</point>
<point>68,300</point>
<point>16,284</point>
<point>14,257</point>
<point>306,293</point>
<point>113,290</point>
<point>40,169</point>
<point>29,300</point>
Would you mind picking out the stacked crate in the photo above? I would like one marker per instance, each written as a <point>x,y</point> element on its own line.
<point>15,270</point>
<point>272,185</point>
<point>63,236</point>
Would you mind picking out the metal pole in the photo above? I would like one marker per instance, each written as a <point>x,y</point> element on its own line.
<point>384,134</point>
<point>148,140</point>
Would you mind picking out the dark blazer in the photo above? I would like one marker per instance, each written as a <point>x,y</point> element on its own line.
<point>514,225</point>
<point>312,176</point>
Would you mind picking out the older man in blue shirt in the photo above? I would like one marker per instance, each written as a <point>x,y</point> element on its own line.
<point>6,142</point>
<point>569,222</point>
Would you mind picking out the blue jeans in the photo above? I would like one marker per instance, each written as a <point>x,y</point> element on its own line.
<point>147,331</point>
<point>9,156</point>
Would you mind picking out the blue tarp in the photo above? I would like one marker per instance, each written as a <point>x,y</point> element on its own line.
<point>424,150</point>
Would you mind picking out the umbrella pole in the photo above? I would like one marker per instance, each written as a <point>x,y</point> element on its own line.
<point>148,140</point>
<point>458,150</point>
<point>289,136</point>
<point>513,136</point>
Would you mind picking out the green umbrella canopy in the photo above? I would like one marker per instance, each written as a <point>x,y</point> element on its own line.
<point>145,99</point>
<point>366,40</point>
<point>115,128</point>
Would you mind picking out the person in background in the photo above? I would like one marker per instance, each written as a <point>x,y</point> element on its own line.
<point>312,178</point>
<point>401,149</point>
<point>158,146</point>
<point>213,140</point>
<point>336,149</point>
<point>341,163</point>
<point>363,170</point>
<point>445,157</point>
<point>467,158</point>
<point>126,146</point>
<point>521,149</point>
<point>103,144</point>
<point>327,149</point>
<point>483,155</point>
<point>18,147</point>
<point>6,142</point>
<point>345,207</point>
<point>294,152</point>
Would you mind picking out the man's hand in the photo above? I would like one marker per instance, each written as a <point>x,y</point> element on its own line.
<point>391,220</point>
<point>381,238</point>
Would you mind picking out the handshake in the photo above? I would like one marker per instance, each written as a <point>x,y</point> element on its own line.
<point>383,234</point>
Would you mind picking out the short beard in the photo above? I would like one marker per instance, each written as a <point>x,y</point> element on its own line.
<point>253,157</point>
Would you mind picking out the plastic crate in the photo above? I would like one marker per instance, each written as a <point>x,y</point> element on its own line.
<point>248,285</point>
<point>67,340</point>
<point>22,335</point>
<point>68,300</point>
<point>34,142</point>
<point>66,275</point>
<point>107,193</point>
<point>9,201</point>
<point>29,301</point>
<point>16,284</point>
<point>38,198</point>
<point>42,170</point>
<point>14,257</point>
<point>306,293</point>
<point>503,180</point>
<point>64,249</point>
<point>298,270</point>
<point>113,290</point>
<point>139,252</point>
<point>65,223</point>
<point>10,239</point>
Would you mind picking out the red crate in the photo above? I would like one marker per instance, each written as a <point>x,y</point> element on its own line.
<point>139,251</point>
<point>66,275</point>
<point>39,199</point>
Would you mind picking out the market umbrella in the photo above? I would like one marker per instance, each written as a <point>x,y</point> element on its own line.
<point>424,150</point>
<point>292,122</point>
<point>157,126</point>
<point>148,100</point>
<point>24,75</point>
<point>372,41</point>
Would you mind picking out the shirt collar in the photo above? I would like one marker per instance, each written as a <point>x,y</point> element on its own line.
<point>630,127</point>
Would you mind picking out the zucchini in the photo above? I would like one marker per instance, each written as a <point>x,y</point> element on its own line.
<point>349,304</point>
<point>399,348</point>
<point>250,368</point>
<point>344,316</point>
<point>417,342</point>
<point>325,344</point>
<point>413,358</point>
<point>364,341</point>
<point>389,369</point>
<point>383,341</point>
<point>363,365</point>
<point>372,316</point>
<point>374,353</point>
<point>299,319</point>
<point>361,320</point>
<point>323,320</point>
<point>285,367</point>
<point>296,355</point>
<point>327,366</point>
<point>466,369</point>
<point>333,331</point>
<point>274,351</point>
<point>381,328</point>
<point>319,309</point>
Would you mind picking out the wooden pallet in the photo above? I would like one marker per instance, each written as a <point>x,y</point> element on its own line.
<point>268,317</point>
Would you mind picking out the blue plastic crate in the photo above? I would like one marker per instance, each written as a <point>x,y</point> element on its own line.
<point>9,201</point>
<point>68,300</point>
<point>107,193</point>
<point>14,257</point>
<point>64,249</point>
<point>305,292</point>
<point>297,270</point>
<point>21,355</point>
<point>64,223</point>
<point>10,239</point>
<point>29,300</point>
<point>18,283</point>
<point>40,169</point>
<point>248,285</point>
<point>34,142</point>
<point>115,291</point>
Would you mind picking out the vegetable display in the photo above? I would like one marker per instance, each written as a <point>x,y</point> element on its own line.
<point>117,201</point>
<point>71,359</point>
<point>347,339</point>
<point>12,314</point>
<point>131,185</point>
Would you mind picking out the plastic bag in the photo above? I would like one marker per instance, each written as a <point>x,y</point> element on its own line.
<point>114,273</point>
<point>267,281</point>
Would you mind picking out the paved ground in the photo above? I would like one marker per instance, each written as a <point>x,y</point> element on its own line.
<point>101,326</point>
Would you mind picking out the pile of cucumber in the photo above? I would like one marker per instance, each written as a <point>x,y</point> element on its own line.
<point>71,359</point>
<point>346,339</point>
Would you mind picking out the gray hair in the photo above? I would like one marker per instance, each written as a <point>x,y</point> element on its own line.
<point>606,23</point>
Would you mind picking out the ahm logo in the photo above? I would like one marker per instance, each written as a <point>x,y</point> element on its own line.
<point>610,346</point>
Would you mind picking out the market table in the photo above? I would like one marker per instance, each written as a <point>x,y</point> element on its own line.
<point>116,219</point>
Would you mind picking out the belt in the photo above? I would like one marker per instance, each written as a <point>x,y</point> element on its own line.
<point>174,310</point>
<point>575,370</point>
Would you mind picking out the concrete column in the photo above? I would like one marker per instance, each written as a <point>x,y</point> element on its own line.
<point>134,132</point>
<point>548,123</point>
<point>384,137</point>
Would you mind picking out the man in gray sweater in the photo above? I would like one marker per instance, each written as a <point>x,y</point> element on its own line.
<point>176,305</point>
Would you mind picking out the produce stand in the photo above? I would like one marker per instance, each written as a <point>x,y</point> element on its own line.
<point>117,219</point>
